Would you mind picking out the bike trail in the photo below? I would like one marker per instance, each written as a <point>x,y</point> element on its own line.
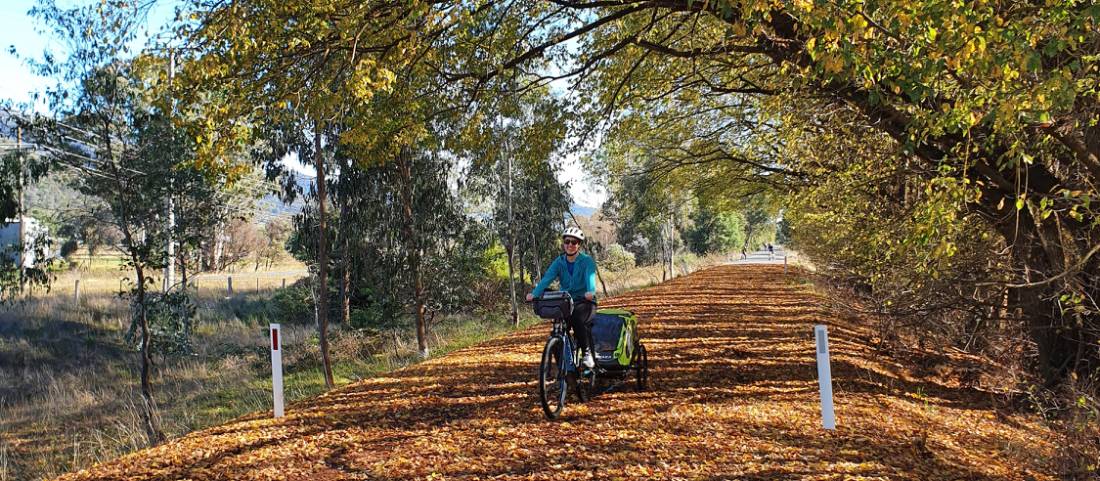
<point>733,395</point>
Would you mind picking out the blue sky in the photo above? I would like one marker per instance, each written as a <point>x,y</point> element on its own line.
<point>18,29</point>
<point>23,32</point>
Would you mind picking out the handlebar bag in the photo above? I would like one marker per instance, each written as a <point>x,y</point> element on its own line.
<point>554,305</point>
<point>615,334</point>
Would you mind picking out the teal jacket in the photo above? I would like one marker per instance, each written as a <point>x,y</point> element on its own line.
<point>582,280</point>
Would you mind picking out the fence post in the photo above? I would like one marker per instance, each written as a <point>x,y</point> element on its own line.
<point>229,286</point>
<point>284,283</point>
<point>824,377</point>
<point>277,370</point>
<point>784,264</point>
<point>257,284</point>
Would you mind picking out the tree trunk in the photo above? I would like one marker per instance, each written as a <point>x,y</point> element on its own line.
<point>412,243</point>
<point>1060,337</point>
<point>219,249</point>
<point>322,258</point>
<point>537,256</point>
<point>149,405</point>
<point>508,248</point>
<point>183,267</point>
<point>345,295</point>
<point>421,323</point>
<point>345,286</point>
<point>671,247</point>
<point>522,272</point>
<point>602,284</point>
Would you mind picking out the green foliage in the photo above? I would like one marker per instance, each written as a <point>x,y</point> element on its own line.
<point>447,247</point>
<point>715,232</point>
<point>496,261</point>
<point>293,304</point>
<point>783,232</point>
<point>171,319</point>
<point>616,258</point>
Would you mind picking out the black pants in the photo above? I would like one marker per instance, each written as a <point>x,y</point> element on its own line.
<point>581,322</point>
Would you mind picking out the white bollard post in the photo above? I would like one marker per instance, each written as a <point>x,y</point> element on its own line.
<point>824,377</point>
<point>76,292</point>
<point>277,370</point>
<point>784,264</point>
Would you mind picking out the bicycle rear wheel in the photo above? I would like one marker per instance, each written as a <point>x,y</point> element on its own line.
<point>552,387</point>
<point>641,366</point>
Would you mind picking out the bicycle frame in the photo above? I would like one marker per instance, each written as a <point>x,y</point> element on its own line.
<point>568,362</point>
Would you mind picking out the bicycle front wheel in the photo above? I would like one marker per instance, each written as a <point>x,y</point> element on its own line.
<point>552,387</point>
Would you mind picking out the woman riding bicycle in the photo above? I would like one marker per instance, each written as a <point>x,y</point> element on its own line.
<point>576,274</point>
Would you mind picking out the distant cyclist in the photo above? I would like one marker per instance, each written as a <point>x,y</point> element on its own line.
<point>576,274</point>
<point>771,252</point>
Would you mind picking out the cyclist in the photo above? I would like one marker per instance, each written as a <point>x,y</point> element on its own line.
<point>576,274</point>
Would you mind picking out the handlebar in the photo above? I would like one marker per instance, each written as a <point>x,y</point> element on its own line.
<point>575,301</point>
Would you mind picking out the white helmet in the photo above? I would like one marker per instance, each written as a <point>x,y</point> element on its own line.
<point>574,232</point>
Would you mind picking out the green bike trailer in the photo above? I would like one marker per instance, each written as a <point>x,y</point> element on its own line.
<point>615,336</point>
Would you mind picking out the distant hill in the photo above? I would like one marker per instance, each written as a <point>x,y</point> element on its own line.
<point>584,210</point>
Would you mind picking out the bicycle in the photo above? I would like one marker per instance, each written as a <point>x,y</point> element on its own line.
<point>560,364</point>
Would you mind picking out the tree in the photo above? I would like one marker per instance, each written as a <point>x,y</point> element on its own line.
<point>984,95</point>
<point>273,250</point>
<point>753,97</point>
<point>415,251</point>
<point>116,131</point>
<point>273,84</point>
<point>715,232</point>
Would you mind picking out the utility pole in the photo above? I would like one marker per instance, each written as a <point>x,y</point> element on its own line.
<point>19,214</point>
<point>170,268</point>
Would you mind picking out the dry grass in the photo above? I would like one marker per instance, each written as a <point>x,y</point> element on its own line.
<point>68,395</point>
<point>618,282</point>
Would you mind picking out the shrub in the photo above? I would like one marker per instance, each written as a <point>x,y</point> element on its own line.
<point>293,304</point>
<point>616,258</point>
<point>171,318</point>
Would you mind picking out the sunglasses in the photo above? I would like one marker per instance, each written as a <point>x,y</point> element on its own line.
<point>571,242</point>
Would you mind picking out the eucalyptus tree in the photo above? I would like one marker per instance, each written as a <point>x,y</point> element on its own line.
<point>513,176</point>
<point>286,73</point>
<point>116,131</point>
<point>407,246</point>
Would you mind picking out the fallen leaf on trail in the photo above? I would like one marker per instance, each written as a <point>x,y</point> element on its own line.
<point>732,395</point>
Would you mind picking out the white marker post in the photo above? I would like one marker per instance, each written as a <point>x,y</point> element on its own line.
<point>784,264</point>
<point>824,377</point>
<point>277,369</point>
